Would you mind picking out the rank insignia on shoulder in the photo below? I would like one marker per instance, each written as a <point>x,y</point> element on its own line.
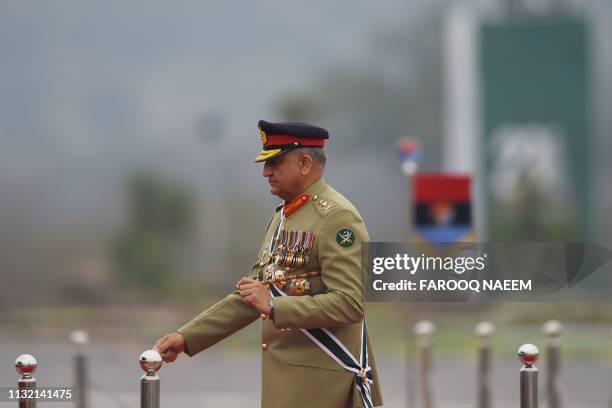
<point>323,205</point>
<point>345,237</point>
<point>326,205</point>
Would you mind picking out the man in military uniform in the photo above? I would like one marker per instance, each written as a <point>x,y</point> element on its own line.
<point>305,286</point>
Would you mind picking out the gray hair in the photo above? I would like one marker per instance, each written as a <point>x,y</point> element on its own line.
<point>317,154</point>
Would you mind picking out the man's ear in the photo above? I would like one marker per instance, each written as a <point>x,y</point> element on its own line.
<point>305,164</point>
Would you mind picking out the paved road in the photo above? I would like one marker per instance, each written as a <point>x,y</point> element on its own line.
<point>219,378</point>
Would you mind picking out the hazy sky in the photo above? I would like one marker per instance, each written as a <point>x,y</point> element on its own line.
<point>89,89</point>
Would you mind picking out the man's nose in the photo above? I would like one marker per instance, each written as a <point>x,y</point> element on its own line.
<point>267,169</point>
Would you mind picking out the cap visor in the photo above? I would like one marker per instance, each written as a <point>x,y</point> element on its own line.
<point>267,154</point>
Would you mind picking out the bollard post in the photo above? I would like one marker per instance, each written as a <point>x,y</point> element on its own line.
<point>424,330</point>
<point>26,365</point>
<point>553,329</point>
<point>528,355</point>
<point>150,362</point>
<point>484,331</point>
<point>80,340</point>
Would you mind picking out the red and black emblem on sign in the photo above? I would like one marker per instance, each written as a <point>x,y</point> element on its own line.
<point>442,207</point>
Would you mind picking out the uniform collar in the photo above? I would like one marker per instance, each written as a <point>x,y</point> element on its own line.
<point>297,203</point>
<point>316,187</point>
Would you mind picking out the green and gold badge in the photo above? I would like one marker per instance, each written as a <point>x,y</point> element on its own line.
<point>345,237</point>
<point>264,137</point>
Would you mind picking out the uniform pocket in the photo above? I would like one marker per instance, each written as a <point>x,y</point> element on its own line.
<point>317,364</point>
<point>315,358</point>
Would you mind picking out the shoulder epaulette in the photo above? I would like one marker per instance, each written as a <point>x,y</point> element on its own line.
<point>324,205</point>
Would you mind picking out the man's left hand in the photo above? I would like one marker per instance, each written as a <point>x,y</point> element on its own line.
<point>255,294</point>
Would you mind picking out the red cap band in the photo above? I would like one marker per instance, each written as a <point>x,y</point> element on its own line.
<point>279,140</point>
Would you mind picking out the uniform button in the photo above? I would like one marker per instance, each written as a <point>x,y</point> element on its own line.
<point>315,197</point>
<point>264,346</point>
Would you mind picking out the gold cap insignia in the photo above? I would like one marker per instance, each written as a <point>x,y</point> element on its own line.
<point>264,137</point>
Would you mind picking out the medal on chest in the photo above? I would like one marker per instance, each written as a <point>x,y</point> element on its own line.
<point>290,250</point>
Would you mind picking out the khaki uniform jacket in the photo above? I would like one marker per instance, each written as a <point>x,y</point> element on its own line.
<point>296,373</point>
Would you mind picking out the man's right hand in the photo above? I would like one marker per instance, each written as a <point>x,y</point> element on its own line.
<point>170,346</point>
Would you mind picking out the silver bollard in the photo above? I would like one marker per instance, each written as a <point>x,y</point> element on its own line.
<point>26,365</point>
<point>80,340</point>
<point>484,331</point>
<point>553,330</point>
<point>150,362</point>
<point>528,354</point>
<point>424,330</point>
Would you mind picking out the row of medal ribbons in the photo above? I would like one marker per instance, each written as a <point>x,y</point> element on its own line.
<point>292,250</point>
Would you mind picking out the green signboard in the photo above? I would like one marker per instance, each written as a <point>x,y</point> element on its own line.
<point>535,128</point>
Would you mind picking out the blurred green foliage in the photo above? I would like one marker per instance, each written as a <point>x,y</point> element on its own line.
<point>160,206</point>
<point>161,213</point>
<point>533,214</point>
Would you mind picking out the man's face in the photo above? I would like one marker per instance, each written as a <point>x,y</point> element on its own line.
<point>283,173</point>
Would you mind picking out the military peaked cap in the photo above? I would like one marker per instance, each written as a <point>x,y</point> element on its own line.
<point>281,137</point>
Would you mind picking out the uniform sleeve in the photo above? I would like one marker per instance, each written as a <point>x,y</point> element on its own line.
<point>219,321</point>
<point>340,262</point>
